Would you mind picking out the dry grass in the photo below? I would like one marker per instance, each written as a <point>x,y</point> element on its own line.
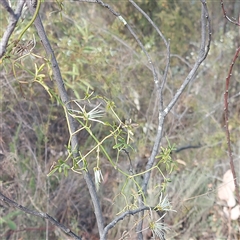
<point>34,136</point>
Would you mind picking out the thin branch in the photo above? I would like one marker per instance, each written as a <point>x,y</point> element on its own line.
<point>226,103</point>
<point>39,214</point>
<point>162,114</point>
<point>88,1</point>
<point>203,52</point>
<point>226,16</point>
<point>5,4</point>
<point>182,59</point>
<point>122,216</point>
<point>14,17</point>
<point>108,7</point>
<point>159,95</point>
<point>155,77</point>
<point>202,55</point>
<point>159,87</point>
<point>70,119</point>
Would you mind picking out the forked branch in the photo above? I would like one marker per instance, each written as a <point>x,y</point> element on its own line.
<point>13,19</point>
<point>203,52</point>
<point>204,49</point>
<point>234,21</point>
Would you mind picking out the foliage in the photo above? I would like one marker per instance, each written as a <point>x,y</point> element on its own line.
<point>112,102</point>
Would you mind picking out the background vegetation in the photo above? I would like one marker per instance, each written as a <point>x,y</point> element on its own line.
<point>101,57</point>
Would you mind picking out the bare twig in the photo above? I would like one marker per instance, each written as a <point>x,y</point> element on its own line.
<point>202,55</point>
<point>226,103</point>
<point>155,76</point>
<point>182,59</point>
<point>122,216</point>
<point>39,214</point>
<point>88,1</point>
<point>226,16</point>
<point>203,52</point>
<point>204,49</point>
<point>7,7</point>
<point>159,87</point>
<point>108,7</point>
<point>72,128</point>
<point>14,17</point>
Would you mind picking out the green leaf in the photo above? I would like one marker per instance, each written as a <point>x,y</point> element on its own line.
<point>118,145</point>
<point>52,172</point>
<point>11,225</point>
